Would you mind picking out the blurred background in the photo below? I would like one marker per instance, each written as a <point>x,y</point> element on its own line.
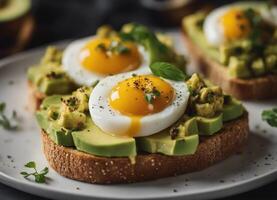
<point>26,24</point>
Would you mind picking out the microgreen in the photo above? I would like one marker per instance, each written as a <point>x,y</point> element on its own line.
<point>39,176</point>
<point>5,122</point>
<point>270,116</point>
<point>152,95</point>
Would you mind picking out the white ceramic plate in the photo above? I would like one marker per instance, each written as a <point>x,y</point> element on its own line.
<point>256,166</point>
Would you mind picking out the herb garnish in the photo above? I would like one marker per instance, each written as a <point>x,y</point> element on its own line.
<point>270,116</point>
<point>9,124</point>
<point>115,47</point>
<point>168,71</point>
<point>39,176</point>
<point>152,95</point>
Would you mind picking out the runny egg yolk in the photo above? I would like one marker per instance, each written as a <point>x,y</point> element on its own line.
<point>109,56</point>
<point>140,96</point>
<point>235,24</point>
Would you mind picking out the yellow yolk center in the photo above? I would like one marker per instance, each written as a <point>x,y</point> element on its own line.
<point>109,56</point>
<point>129,97</point>
<point>235,24</point>
<point>139,96</point>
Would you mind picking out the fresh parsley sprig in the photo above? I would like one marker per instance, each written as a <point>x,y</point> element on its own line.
<point>270,116</point>
<point>39,176</point>
<point>167,71</point>
<point>5,122</point>
<point>151,96</point>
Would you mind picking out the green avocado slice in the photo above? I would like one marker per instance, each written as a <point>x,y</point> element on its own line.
<point>59,135</point>
<point>49,86</point>
<point>209,126</point>
<point>232,110</point>
<point>186,144</point>
<point>94,141</point>
<point>91,139</point>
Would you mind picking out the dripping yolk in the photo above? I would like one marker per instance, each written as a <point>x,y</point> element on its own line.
<point>109,56</point>
<point>140,96</point>
<point>235,24</point>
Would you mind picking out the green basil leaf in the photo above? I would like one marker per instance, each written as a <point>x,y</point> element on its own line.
<point>40,178</point>
<point>167,71</point>
<point>31,164</point>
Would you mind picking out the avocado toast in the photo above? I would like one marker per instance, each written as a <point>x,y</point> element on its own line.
<point>241,59</point>
<point>60,72</point>
<point>212,127</point>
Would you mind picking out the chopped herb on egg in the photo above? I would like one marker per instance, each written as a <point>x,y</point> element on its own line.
<point>115,47</point>
<point>118,48</point>
<point>101,47</point>
<point>151,96</point>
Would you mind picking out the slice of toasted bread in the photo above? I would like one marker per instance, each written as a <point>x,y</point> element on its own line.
<point>263,87</point>
<point>81,166</point>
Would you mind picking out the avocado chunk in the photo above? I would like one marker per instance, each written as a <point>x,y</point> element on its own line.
<point>209,126</point>
<point>232,110</point>
<point>184,144</point>
<point>50,80</point>
<point>57,133</point>
<point>12,9</point>
<point>258,67</point>
<point>238,68</point>
<point>94,141</point>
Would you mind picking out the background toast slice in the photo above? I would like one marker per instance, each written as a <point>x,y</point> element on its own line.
<point>102,170</point>
<point>263,87</point>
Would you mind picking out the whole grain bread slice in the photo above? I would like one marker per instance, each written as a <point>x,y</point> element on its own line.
<point>263,87</point>
<point>82,166</point>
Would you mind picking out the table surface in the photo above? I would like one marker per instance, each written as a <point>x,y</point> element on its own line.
<point>57,20</point>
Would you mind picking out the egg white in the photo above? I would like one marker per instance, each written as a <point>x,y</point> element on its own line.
<point>111,121</point>
<point>72,65</point>
<point>213,30</point>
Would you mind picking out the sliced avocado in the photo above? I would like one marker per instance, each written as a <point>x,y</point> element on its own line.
<point>94,141</point>
<point>162,143</point>
<point>238,68</point>
<point>58,134</point>
<point>53,100</point>
<point>209,126</point>
<point>232,110</point>
<point>61,84</point>
<point>185,144</point>
<point>12,9</point>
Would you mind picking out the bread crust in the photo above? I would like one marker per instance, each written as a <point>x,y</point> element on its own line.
<point>264,87</point>
<point>35,97</point>
<point>81,166</point>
